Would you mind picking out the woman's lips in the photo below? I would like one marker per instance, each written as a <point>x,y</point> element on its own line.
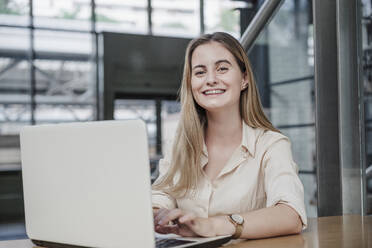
<point>213,92</point>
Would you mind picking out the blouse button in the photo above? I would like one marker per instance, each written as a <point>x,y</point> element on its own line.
<point>244,152</point>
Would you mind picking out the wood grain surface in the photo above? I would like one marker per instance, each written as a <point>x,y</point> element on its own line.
<point>326,232</point>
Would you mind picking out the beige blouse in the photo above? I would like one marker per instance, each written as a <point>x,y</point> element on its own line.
<point>260,173</point>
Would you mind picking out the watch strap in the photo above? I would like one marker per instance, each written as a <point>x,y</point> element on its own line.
<point>238,228</point>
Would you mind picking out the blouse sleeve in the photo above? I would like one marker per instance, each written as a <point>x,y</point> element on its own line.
<point>282,184</point>
<point>160,198</point>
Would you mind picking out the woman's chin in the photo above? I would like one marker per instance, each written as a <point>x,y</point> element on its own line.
<point>215,108</point>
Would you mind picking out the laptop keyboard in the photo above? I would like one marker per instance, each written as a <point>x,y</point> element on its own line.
<point>163,243</point>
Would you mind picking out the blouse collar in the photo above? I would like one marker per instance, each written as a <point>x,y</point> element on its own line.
<point>248,144</point>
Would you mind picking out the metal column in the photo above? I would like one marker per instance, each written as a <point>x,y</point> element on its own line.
<point>201,16</point>
<point>326,102</point>
<point>351,106</point>
<point>339,108</point>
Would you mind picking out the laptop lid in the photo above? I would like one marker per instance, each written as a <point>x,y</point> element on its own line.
<point>88,184</point>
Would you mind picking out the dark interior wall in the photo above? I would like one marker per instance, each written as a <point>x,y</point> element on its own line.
<point>11,196</point>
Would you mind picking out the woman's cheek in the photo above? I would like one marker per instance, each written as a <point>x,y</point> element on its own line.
<point>197,100</point>
<point>195,93</point>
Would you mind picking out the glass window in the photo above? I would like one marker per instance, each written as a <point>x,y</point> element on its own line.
<point>67,14</point>
<point>292,109</point>
<point>14,41</point>
<point>77,45</point>
<point>221,16</point>
<point>15,113</point>
<point>14,95</point>
<point>282,60</point>
<point>139,109</point>
<point>170,116</point>
<point>14,12</point>
<point>367,82</point>
<point>176,18</point>
<point>310,188</point>
<point>128,16</point>
<point>65,91</point>
<point>65,86</point>
<point>14,80</point>
<point>303,146</point>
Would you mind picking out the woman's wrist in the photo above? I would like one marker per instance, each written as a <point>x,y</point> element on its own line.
<point>222,226</point>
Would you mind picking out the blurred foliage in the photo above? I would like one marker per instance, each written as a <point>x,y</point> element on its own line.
<point>228,20</point>
<point>103,18</point>
<point>177,25</point>
<point>74,14</point>
<point>70,14</point>
<point>10,7</point>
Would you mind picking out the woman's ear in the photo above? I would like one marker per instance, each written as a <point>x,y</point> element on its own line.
<point>244,84</point>
<point>244,81</point>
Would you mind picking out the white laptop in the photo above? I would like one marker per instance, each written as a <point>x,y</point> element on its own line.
<point>88,184</point>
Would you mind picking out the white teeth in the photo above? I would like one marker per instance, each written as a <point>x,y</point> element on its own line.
<point>209,92</point>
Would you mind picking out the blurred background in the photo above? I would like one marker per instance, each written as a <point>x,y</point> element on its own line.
<point>86,60</point>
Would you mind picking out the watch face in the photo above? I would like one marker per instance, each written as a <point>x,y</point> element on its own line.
<point>237,218</point>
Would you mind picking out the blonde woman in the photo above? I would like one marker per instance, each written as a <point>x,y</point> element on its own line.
<point>230,172</point>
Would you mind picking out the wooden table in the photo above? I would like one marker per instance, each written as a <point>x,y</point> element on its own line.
<point>340,231</point>
<point>329,232</point>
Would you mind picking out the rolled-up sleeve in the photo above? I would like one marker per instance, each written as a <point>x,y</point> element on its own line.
<point>282,184</point>
<point>161,199</point>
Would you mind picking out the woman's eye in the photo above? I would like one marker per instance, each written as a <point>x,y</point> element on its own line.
<point>198,73</point>
<point>222,69</point>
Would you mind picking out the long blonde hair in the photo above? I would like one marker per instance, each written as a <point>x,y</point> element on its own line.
<point>189,139</point>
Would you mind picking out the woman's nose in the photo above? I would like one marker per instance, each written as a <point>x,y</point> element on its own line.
<point>211,79</point>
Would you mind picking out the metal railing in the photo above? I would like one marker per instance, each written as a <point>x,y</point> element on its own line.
<point>258,23</point>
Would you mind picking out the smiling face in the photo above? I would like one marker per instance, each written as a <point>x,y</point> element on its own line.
<point>216,79</point>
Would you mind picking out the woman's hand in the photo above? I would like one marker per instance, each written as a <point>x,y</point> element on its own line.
<point>182,223</point>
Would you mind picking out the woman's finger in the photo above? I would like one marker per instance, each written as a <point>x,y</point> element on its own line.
<point>187,218</point>
<point>185,231</point>
<point>170,216</point>
<point>155,211</point>
<point>193,225</point>
<point>160,214</point>
<point>167,229</point>
<point>181,230</point>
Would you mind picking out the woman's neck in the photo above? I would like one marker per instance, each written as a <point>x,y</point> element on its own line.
<point>224,127</point>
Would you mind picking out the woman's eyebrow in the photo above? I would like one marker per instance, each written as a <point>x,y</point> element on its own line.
<point>216,63</point>
<point>223,61</point>
<point>197,66</point>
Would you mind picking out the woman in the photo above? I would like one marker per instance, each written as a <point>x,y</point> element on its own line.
<point>230,172</point>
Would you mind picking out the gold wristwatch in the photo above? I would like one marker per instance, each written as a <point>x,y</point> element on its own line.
<point>238,221</point>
